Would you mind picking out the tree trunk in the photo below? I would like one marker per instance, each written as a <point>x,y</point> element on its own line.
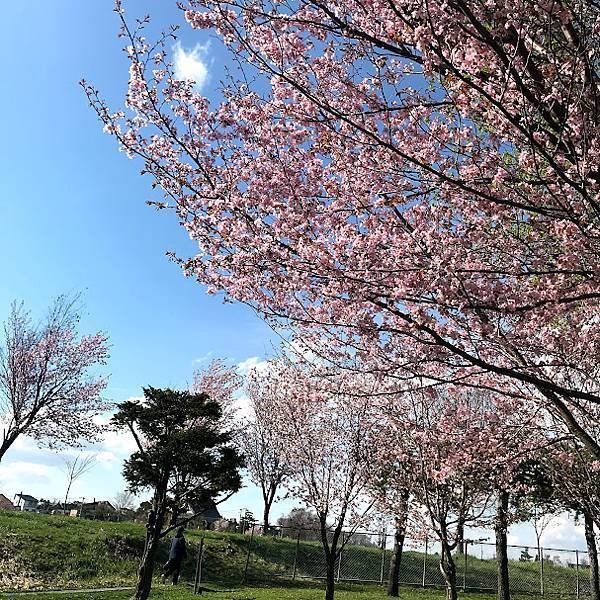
<point>330,553</point>
<point>268,499</point>
<point>396,560</point>
<point>146,569</point>
<point>460,538</point>
<point>399,535</point>
<point>448,569</point>
<point>7,442</point>
<point>174,515</point>
<point>592,555</point>
<point>330,577</point>
<point>266,513</point>
<point>501,528</point>
<point>394,573</point>
<point>66,498</point>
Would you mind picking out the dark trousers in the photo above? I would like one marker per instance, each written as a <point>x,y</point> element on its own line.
<point>172,568</point>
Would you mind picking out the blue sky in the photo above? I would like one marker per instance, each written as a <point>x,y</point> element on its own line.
<point>73,218</point>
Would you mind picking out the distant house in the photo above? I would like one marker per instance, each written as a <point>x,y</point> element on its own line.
<point>60,508</point>
<point>209,515</point>
<point>52,507</point>
<point>100,509</point>
<point>44,506</point>
<point>104,507</point>
<point>26,503</point>
<point>6,504</point>
<point>126,514</point>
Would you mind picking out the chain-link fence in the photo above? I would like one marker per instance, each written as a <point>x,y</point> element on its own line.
<point>297,554</point>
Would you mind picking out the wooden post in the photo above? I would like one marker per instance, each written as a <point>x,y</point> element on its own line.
<point>198,577</point>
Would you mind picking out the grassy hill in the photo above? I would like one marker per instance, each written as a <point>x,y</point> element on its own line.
<point>45,552</point>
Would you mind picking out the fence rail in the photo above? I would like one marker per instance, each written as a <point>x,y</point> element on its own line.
<point>297,554</point>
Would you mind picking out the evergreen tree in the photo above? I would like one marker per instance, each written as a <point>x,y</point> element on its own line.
<point>184,456</point>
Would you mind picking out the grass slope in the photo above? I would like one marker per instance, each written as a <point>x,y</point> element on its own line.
<point>44,552</point>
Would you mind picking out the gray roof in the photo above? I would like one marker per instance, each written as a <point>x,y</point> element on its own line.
<point>27,497</point>
<point>210,514</point>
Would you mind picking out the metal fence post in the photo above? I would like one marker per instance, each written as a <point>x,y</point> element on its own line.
<point>465,557</point>
<point>296,555</point>
<point>357,568</point>
<point>248,555</point>
<point>198,577</point>
<point>541,571</point>
<point>382,567</point>
<point>340,553</point>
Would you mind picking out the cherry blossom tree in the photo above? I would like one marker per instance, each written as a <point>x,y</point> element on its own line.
<point>391,491</point>
<point>573,474</point>
<point>452,450</point>
<point>419,175</point>
<point>391,483</point>
<point>257,437</point>
<point>219,382</point>
<point>47,389</point>
<point>324,437</point>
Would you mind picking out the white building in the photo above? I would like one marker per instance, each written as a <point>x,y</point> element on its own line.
<point>26,503</point>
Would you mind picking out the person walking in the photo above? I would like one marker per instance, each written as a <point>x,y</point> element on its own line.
<point>177,553</point>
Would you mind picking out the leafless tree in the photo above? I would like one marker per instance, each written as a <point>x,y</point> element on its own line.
<point>257,441</point>
<point>541,518</point>
<point>75,468</point>
<point>124,500</point>
<point>46,390</point>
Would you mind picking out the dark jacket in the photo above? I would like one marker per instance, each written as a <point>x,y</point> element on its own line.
<point>178,550</point>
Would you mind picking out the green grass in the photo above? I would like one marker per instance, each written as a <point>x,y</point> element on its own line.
<point>46,552</point>
<point>282,593</point>
<point>41,551</point>
<point>160,592</point>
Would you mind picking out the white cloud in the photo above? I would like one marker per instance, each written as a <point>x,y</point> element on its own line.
<point>24,469</point>
<point>36,469</point>
<point>242,406</point>
<point>563,532</point>
<point>114,444</point>
<point>244,368</point>
<point>25,443</point>
<point>254,362</point>
<point>191,64</point>
<point>302,351</point>
<point>27,477</point>
<point>203,359</point>
<point>119,443</point>
<point>107,459</point>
